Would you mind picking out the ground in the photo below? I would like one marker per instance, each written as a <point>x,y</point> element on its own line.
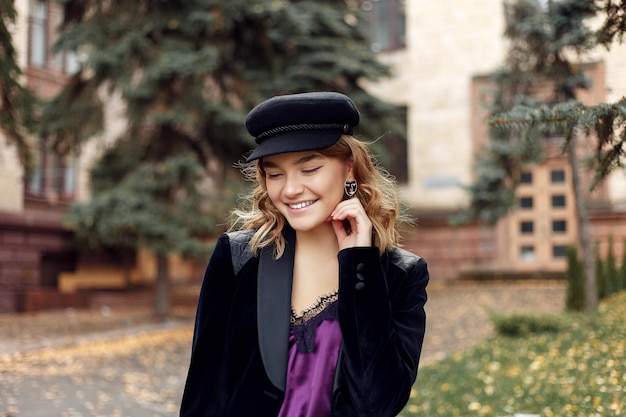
<point>113,360</point>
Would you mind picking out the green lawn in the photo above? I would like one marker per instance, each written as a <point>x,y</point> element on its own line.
<point>577,371</point>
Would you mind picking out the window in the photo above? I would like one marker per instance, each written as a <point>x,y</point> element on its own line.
<point>526,202</point>
<point>559,251</point>
<point>38,21</point>
<point>527,253</point>
<point>71,64</point>
<point>559,226</point>
<point>65,62</point>
<point>526,227</point>
<point>557,176</point>
<point>44,15</point>
<point>526,177</point>
<point>54,177</point>
<point>558,201</point>
<point>386,23</point>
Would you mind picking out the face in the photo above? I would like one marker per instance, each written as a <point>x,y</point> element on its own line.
<point>305,186</point>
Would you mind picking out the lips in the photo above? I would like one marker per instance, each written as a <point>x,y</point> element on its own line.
<point>301,205</point>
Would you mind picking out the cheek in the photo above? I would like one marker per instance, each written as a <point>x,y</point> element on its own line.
<point>335,191</point>
<point>273,192</point>
<point>340,182</point>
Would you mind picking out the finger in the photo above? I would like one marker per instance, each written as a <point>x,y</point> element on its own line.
<point>355,216</point>
<point>360,226</point>
<point>340,231</point>
<point>348,208</point>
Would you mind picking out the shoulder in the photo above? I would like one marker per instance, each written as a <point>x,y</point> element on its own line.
<point>239,242</point>
<point>404,259</point>
<point>406,270</point>
<point>239,238</point>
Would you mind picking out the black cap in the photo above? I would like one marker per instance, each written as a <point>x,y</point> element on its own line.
<point>300,122</point>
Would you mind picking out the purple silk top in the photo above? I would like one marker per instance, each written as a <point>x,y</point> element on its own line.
<point>314,342</point>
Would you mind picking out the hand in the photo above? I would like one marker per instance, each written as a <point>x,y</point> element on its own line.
<point>361,226</point>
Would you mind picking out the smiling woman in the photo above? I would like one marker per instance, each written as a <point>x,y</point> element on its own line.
<point>303,187</point>
<point>308,306</point>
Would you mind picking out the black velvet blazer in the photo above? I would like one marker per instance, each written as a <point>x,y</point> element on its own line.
<point>240,345</point>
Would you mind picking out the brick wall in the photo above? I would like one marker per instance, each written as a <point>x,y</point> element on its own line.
<point>26,246</point>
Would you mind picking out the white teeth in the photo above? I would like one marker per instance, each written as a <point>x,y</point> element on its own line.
<point>301,205</point>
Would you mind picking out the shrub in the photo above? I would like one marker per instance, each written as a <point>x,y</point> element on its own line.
<point>524,324</point>
<point>601,277</point>
<point>611,270</point>
<point>575,294</point>
<point>623,267</point>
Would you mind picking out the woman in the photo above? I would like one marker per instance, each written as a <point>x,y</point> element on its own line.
<point>310,309</point>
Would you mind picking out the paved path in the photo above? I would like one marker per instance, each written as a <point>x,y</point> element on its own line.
<point>458,315</point>
<point>113,361</point>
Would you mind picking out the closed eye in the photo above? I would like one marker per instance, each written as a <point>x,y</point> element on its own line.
<point>311,170</point>
<point>272,175</point>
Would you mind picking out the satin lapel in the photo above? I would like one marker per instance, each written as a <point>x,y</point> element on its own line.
<point>274,309</point>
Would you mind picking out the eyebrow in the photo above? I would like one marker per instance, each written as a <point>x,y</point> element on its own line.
<point>302,160</point>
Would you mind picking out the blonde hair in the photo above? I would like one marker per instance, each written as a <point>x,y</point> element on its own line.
<point>376,190</point>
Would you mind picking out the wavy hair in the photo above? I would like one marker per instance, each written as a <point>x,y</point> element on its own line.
<point>377,192</point>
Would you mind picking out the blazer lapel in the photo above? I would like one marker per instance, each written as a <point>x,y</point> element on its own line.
<point>274,309</point>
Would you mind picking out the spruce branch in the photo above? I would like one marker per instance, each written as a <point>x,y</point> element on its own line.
<point>603,122</point>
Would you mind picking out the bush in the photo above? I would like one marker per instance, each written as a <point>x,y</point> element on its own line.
<point>623,267</point>
<point>612,270</point>
<point>610,275</point>
<point>524,324</point>
<point>602,282</point>
<point>575,295</point>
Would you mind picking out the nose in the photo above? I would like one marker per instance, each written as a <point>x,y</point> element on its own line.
<point>293,186</point>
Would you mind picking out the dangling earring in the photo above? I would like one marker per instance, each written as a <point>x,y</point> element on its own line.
<point>350,188</point>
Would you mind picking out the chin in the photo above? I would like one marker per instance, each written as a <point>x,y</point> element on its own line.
<point>299,226</point>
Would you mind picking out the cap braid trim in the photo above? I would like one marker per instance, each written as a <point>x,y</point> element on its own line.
<point>295,128</point>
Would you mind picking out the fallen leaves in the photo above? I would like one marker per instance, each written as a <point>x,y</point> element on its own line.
<point>140,374</point>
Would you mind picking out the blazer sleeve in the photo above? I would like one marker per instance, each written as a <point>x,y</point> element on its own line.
<point>201,395</point>
<point>382,319</point>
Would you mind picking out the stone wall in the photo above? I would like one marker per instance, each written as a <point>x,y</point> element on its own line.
<point>447,44</point>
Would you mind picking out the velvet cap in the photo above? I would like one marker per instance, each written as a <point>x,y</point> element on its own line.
<point>300,122</point>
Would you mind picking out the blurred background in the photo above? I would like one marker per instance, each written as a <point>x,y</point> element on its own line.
<point>121,122</point>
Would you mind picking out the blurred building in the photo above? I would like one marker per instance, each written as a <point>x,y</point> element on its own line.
<point>40,266</point>
<point>441,59</point>
<point>441,53</point>
<point>33,246</point>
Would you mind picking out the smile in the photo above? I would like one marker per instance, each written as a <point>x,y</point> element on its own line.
<point>302,204</point>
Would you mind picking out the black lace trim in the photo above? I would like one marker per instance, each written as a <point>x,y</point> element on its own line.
<point>304,325</point>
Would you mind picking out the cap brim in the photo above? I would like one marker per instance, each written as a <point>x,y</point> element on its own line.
<point>295,142</point>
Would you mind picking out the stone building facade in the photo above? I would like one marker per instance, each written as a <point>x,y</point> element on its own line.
<point>450,48</point>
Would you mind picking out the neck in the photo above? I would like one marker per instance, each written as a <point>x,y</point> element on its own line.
<point>320,240</point>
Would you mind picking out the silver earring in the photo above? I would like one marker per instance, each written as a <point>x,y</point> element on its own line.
<point>350,187</point>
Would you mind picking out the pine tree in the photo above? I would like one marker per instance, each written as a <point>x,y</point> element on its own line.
<point>187,72</point>
<point>543,39</point>
<point>158,206</point>
<point>16,101</point>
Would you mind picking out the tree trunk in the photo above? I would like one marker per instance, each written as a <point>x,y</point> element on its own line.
<point>584,233</point>
<point>162,289</point>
